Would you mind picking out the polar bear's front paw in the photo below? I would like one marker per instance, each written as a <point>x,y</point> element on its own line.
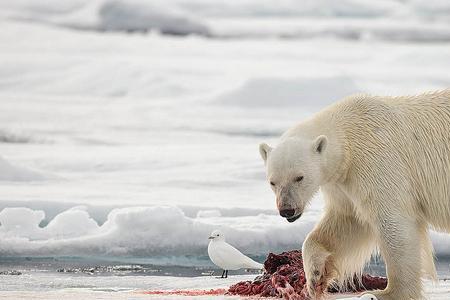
<point>317,263</point>
<point>318,278</point>
<point>317,282</point>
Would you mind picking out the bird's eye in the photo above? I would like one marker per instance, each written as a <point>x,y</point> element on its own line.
<point>299,179</point>
<point>272,183</point>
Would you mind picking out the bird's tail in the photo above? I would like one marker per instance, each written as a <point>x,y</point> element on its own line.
<point>251,264</point>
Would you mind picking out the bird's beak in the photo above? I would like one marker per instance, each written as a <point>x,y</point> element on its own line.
<point>211,238</point>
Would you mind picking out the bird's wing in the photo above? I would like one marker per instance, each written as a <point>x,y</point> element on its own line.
<point>229,256</point>
<point>236,258</point>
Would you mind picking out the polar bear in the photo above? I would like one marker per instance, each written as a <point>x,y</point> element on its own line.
<point>383,166</point>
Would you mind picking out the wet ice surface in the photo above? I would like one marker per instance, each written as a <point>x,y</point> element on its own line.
<point>118,266</point>
<point>69,286</point>
<point>125,277</point>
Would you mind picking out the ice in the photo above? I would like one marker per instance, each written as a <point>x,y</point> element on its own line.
<point>152,231</point>
<point>270,92</point>
<point>51,286</point>
<point>121,140</point>
<point>208,213</point>
<point>145,15</point>
<point>20,221</point>
<point>142,231</point>
<point>71,223</point>
<point>323,8</point>
<point>417,20</point>
<point>441,244</point>
<point>160,135</point>
<point>11,172</point>
<point>132,15</point>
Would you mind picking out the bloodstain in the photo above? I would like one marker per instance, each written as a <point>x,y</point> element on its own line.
<point>212,292</point>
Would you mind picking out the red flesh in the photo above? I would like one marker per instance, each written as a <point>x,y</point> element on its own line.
<point>284,277</point>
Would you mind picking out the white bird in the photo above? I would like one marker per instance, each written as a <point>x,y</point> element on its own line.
<point>227,257</point>
<point>363,297</point>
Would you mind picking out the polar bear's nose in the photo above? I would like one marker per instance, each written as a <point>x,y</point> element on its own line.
<point>287,213</point>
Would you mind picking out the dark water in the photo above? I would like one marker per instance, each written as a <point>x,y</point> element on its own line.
<point>112,266</point>
<point>189,267</point>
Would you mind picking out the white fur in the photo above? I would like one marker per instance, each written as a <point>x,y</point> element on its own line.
<point>384,170</point>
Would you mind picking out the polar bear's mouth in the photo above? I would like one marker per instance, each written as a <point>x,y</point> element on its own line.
<point>294,218</point>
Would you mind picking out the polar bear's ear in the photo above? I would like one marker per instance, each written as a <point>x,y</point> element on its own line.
<point>320,143</point>
<point>264,150</point>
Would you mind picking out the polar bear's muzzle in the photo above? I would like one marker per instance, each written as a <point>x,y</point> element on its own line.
<point>290,214</point>
<point>287,206</point>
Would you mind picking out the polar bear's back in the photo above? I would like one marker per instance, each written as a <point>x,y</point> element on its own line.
<point>427,153</point>
<point>402,143</point>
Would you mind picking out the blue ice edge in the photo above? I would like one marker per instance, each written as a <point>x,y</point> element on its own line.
<point>185,266</point>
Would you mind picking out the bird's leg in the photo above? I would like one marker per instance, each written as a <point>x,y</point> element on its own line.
<point>223,274</point>
<point>226,273</point>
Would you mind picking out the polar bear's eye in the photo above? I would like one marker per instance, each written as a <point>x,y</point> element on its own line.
<point>272,183</point>
<point>299,178</point>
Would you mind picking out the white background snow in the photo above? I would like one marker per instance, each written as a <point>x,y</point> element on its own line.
<point>131,128</point>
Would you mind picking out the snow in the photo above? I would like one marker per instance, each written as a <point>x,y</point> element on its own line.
<point>152,231</point>
<point>417,20</point>
<point>208,213</point>
<point>120,139</point>
<point>270,92</point>
<point>11,172</point>
<point>49,286</point>
<point>18,221</point>
<point>71,223</point>
<point>141,231</point>
<point>131,15</point>
<point>174,133</point>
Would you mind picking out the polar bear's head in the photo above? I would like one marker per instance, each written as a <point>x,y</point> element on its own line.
<point>294,171</point>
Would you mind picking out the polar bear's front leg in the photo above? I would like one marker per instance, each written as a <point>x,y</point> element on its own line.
<point>400,245</point>
<point>336,249</point>
<point>318,266</point>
